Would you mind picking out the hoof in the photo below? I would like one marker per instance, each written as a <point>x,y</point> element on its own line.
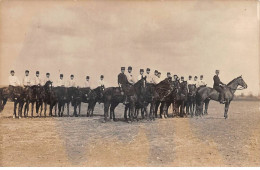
<point>104,121</point>
<point>13,117</point>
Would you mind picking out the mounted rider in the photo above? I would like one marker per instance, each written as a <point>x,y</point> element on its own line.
<point>196,81</point>
<point>47,78</point>
<point>218,85</point>
<point>71,82</point>
<point>148,76</point>
<point>101,82</point>
<point>141,76</point>
<point>26,80</point>
<point>87,83</point>
<point>13,82</point>
<point>155,77</point>
<point>37,79</point>
<point>123,84</point>
<point>201,82</point>
<point>60,82</point>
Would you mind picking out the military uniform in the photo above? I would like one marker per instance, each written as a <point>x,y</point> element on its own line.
<point>148,76</point>
<point>71,83</point>
<point>47,78</point>
<point>121,79</point>
<point>27,81</point>
<point>87,83</point>
<point>37,80</point>
<point>217,86</point>
<point>60,82</point>
<point>13,81</point>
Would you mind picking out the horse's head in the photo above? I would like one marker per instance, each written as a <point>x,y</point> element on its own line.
<point>241,82</point>
<point>237,82</point>
<point>100,91</point>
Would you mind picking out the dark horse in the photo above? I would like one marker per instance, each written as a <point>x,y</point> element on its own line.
<point>181,99</point>
<point>31,97</point>
<point>92,96</point>
<point>50,97</point>
<point>62,95</point>
<point>191,100</point>
<point>160,94</point>
<point>205,94</point>
<point>17,95</point>
<point>113,96</point>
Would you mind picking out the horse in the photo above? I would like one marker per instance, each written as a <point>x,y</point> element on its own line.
<point>62,96</point>
<point>17,95</point>
<point>51,97</point>
<point>75,98</point>
<point>143,91</point>
<point>113,96</point>
<point>170,99</point>
<point>191,100</point>
<point>92,96</point>
<point>40,96</point>
<point>181,99</point>
<point>205,94</point>
<point>160,94</point>
<point>31,97</point>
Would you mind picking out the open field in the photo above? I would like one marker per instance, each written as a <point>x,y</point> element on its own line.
<point>83,141</point>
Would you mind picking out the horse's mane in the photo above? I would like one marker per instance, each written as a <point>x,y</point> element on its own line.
<point>233,80</point>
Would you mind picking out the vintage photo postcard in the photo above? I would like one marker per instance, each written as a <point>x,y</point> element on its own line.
<point>128,83</point>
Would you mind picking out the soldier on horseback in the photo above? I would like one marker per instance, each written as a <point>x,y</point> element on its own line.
<point>26,79</point>
<point>148,76</point>
<point>47,78</point>
<point>218,85</point>
<point>155,77</point>
<point>13,82</point>
<point>60,82</point>
<point>101,82</point>
<point>201,82</point>
<point>37,80</point>
<point>71,82</point>
<point>87,83</point>
<point>141,76</point>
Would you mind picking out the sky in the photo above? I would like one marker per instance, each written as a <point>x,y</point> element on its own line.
<point>98,37</point>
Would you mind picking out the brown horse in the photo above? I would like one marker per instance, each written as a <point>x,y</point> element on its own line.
<point>205,94</point>
<point>16,95</point>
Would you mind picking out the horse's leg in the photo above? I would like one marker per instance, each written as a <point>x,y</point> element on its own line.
<point>56,105</point>
<point>15,105</point>
<point>51,107</point>
<point>45,108</point>
<point>206,106</point>
<point>89,109</point>
<point>79,107</point>
<point>92,109</point>
<point>32,105</point>
<point>106,108</point>
<point>68,108</point>
<point>75,110</point>
<point>226,110</point>
<point>41,105</point>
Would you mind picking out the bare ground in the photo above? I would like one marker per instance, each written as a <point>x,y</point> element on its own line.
<point>82,141</point>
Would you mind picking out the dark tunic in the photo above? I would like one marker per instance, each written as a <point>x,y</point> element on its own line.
<point>122,79</point>
<point>217,81</point>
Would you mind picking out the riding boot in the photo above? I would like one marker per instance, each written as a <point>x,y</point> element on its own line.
<point>222,98</point>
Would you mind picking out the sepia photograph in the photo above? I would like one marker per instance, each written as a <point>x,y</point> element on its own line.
<point>129,83</point>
